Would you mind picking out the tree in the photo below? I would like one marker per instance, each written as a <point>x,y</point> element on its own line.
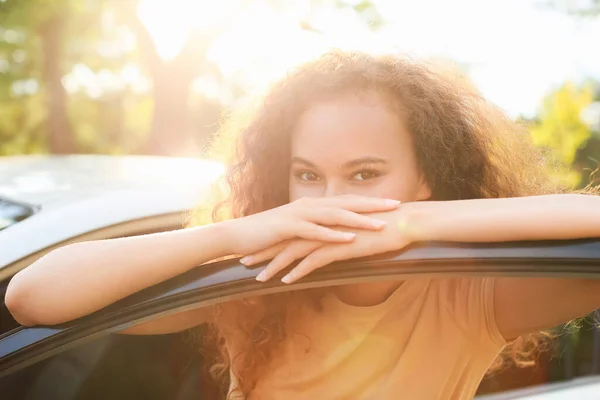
<point>172,130</point>
<point>41,24</point>
<point>21,103</point>
<point>43,27</point>
<point>43,41</point>
<point>559,126</point>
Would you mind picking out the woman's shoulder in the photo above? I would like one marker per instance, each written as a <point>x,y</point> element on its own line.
<point>469,302</point>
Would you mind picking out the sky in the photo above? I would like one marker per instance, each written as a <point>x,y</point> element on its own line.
<point>515,51</point>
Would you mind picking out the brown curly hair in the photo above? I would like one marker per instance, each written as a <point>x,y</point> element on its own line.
<point>466,148</point>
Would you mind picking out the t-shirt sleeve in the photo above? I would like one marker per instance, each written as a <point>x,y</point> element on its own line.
<point>470,303</point>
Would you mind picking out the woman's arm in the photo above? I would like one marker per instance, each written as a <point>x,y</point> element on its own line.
<point>81,278</point>
<point>480,220</point>
<point>521,305</point>
<point>549,217</point>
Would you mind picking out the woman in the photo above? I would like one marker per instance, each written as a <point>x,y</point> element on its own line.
<point>349,156</point>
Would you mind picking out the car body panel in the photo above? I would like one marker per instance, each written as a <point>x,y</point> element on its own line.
<point>81,197</point>
<point>57,181</point>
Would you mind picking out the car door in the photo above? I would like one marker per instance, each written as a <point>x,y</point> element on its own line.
<point>84,359</point>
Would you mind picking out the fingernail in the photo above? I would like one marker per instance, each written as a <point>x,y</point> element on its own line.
<point>377,223</point>
<point>348,235</point>
<point>288,278</point>
<point>262,276</point>
<point>246,260</point>
<point>392,203</point>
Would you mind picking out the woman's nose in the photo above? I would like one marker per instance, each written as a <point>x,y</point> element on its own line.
<point>335,189</point>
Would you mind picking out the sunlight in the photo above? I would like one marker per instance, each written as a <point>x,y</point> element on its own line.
<point>263,43</point>
<point>253,43</point>
<point>169,22</point>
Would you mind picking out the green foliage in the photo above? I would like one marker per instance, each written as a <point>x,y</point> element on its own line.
<point>369,13</point>
<point>559,126</point>
<point>84,33</point>
<point>22,103</point>
<point>24,117</point>
<point>588,8</point>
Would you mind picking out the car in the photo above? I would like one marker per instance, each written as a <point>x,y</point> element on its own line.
<point>90,197</point>
<point>39,362</point>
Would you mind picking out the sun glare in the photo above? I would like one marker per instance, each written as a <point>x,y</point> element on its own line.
<point>169,22</point>
<point>253,43</point>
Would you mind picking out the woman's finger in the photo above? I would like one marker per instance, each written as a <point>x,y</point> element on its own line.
<point>264,255</point>
<point>317,259</point>
<point>332,216</point>
<point>293,252</point>
<point>361,204</point>
<point>311,231</point>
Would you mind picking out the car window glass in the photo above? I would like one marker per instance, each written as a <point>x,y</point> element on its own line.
<point>571,353</point>
<point>117,367</point>
<point>175,366</point>
<point>12,212</point>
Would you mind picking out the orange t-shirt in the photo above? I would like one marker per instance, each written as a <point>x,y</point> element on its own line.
<point>430,340</point>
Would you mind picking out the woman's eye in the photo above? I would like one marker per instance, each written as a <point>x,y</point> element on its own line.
<point>365,175</point>
<point>308,176</point>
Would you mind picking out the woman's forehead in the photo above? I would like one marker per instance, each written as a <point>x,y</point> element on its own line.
<point>349,128</point>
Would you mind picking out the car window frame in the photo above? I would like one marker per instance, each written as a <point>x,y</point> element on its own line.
<point>229,279</point>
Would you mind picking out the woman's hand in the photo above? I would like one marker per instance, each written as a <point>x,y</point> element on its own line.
<point>317,254</point>
<point>308,218</point>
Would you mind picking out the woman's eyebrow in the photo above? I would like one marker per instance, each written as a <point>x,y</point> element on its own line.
<point>365,160</point>
<point>301,160</point>
<point>348,164</point>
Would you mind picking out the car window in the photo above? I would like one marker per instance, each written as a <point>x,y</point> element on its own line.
<point>571,354</point>
<point>175,366</point>
<point>12,212</point>
<point>118,367</point>
<point>574,353</point>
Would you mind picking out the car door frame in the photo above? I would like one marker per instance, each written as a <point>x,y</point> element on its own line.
<point>227,280</point>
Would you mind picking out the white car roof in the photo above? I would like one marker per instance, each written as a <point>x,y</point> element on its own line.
<point>80,194</point>
<point>59,180</point>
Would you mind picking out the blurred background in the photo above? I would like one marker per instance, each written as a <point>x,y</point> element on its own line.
<point>156,76</point>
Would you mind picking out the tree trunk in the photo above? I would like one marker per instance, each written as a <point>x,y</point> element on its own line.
<point>58,126</point>
<point>171,132</point>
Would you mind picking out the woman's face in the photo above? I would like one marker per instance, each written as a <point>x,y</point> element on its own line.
<point>354,145</point>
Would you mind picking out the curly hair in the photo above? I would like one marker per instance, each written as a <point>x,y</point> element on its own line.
<point>466,148</point>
